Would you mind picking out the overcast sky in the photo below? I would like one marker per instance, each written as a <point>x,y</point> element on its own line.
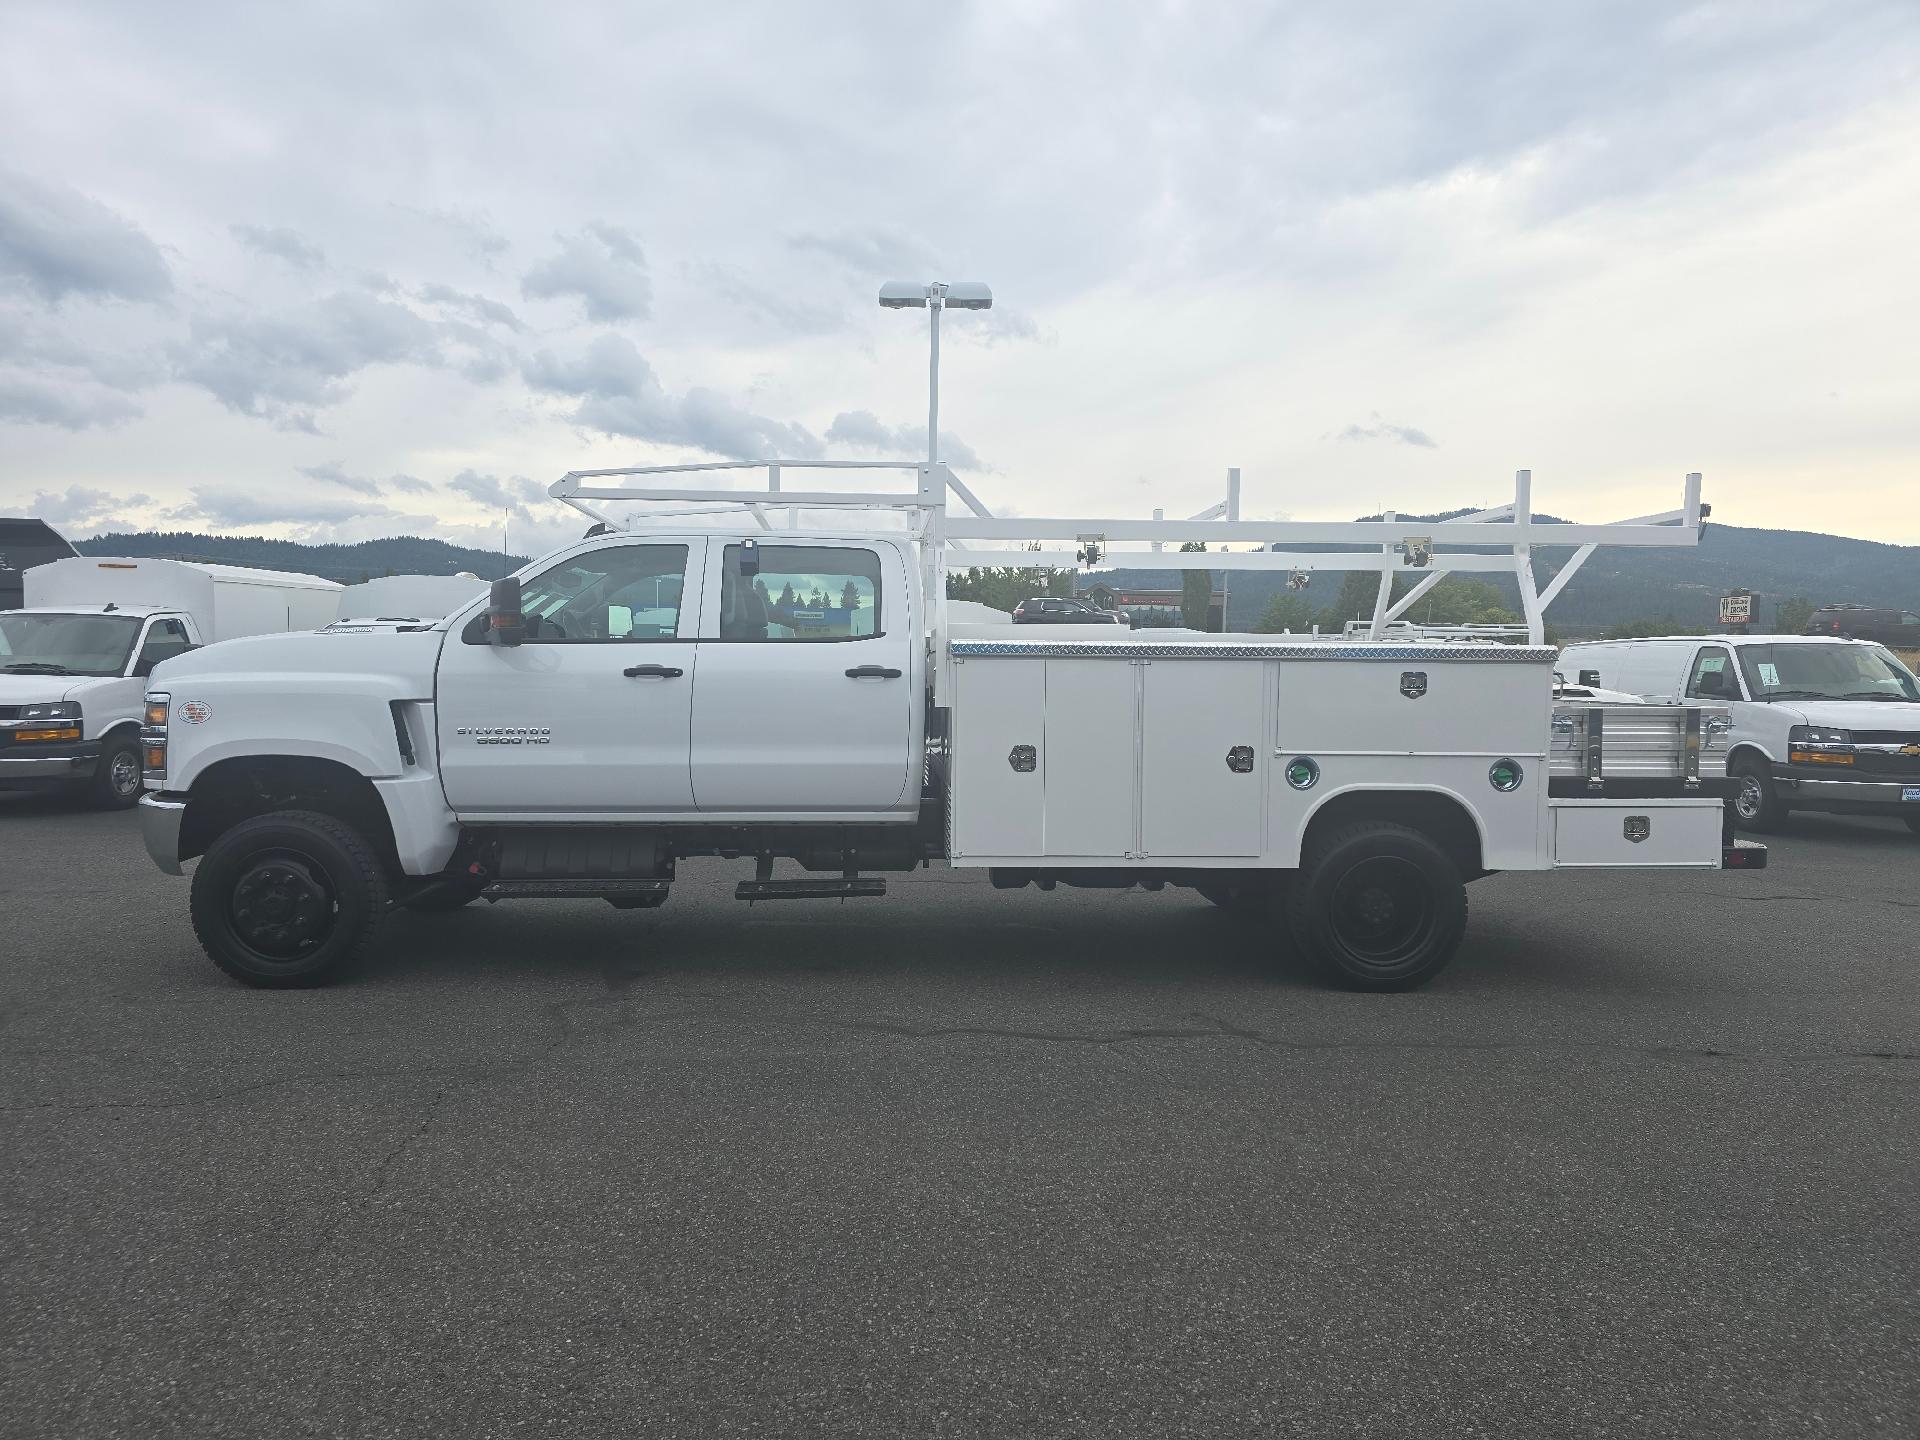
<point>346,270</point>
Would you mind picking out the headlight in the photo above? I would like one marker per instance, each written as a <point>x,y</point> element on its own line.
<point>153,738</point>
<point>1819,745</point>
<point>52,710</point>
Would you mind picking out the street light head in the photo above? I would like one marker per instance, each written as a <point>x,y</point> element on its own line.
<point>968,295</point>
<point>903,295</point>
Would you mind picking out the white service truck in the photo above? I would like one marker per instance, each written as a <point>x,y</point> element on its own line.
<point>1819,722</point>
<point>797,698</point>
<point>74,662</point>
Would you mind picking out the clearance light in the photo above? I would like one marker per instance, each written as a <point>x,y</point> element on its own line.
<point>154,757</point>
<point>58,732</point>
<point>153,738</point>
<point>1820,757</point>
<point>157,711</point>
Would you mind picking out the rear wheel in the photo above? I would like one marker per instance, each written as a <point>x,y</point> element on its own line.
<point>116,778</point>
<point>1378,906</point>
<point>1756,805</point>
<point>288,900</point>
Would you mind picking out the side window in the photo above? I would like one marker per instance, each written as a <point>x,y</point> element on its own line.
<point>1712,677</point>
<point>802,592</point>
<point>165,639</point>
<point>622,594</point>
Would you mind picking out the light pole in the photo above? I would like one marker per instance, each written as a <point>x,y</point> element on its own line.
<point>934,296</point>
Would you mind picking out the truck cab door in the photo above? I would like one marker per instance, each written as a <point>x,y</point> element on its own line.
<point>590,714</point>
<point>811,693</point>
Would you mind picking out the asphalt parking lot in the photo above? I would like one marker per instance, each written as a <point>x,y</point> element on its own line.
<point>969,1163</point>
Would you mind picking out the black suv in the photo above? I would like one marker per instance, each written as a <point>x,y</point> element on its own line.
<point>1058,610</point>
<point>1897,629</point>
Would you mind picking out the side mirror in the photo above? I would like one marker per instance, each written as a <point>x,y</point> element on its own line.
<point>505,624</point>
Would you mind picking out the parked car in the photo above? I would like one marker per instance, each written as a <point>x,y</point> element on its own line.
<point>1897,628</point>
<point>1060,610</point>
<point>1818,723</point>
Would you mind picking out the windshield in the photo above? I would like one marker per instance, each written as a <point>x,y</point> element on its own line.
<point>1826,672</point>
<point>66,644</point>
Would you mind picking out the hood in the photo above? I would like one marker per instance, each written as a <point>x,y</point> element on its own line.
<point>406,658</point>
<point>39,689</point>
<point>1854,714</point>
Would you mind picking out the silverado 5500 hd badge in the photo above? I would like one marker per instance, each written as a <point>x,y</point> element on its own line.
<point>507,734</point>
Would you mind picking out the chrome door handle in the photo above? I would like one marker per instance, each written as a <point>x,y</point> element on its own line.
<point>872,672</point>
<point>663,672</point>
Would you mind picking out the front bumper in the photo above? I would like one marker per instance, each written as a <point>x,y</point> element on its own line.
<point>160,817</point>
<point>1805,792</point>
<point>22,768</point>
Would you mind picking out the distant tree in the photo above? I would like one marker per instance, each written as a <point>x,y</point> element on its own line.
<point>787,598</point>
<point>1459,600</point>
<point>1005,586</point>
<point>1286,611</point>
<point>849,596</point>
<point>1196,592</point>
<point>1790,616</point>
<point>1358,590</point>
<point>760,589</point>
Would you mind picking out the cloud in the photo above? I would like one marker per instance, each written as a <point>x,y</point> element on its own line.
<point>619,394</point>
<point>479,307</point>
<point>603,267</point>
<point>1378,429</point>
<point>282,244</point>
<point>516,495</point>
<point>68,404</point>
<point>264,505</point>
<point>408,484</point>
<point>863,430</point>
<point>282,367</point>
<point>875,253</point>
<point>81,506</point>
<point>334,473</point>
<point>57,242</point>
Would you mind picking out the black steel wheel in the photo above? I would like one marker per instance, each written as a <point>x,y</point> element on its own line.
<point>288,900</point>
<point>1756,805</point>
<point>116,778</point>
<point>1378,906</point>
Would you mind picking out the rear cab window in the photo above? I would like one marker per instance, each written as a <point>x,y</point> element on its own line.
<point>800,593</point>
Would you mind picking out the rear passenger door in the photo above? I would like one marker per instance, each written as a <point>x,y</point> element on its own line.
<point>809,696</point>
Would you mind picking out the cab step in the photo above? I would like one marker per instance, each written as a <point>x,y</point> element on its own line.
<point>841,889</point>
<point>626,894</point>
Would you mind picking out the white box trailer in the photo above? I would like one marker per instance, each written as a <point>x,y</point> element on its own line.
<point>224,601</point>
<point>387,599</point>
<point>75,661</point>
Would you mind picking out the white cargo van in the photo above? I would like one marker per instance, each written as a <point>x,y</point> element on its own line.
<point>1819,723</point>
<point>74,661</point>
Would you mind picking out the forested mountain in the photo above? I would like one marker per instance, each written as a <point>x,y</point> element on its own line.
<point>398,555</point>
<point>1622,586</point>
<point>1616,587</point>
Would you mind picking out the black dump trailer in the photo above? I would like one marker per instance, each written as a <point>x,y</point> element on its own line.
<point>24,544</point>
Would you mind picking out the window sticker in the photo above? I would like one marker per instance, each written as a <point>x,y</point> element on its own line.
<point>1769,674</point>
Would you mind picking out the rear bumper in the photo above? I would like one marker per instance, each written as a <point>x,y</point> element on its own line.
<point>160,817</point>
<point>1804,792</point>
<point>51,765</point>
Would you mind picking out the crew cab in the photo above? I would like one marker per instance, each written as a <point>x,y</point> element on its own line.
<point>1819,723</point>
<point>796,699</point>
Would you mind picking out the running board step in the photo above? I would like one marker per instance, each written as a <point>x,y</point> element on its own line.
<point>634,893</point>
<point>810,889</point>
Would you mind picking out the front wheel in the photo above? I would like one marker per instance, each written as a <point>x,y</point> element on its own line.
<point>116,777</point>
<point>1378,906</point>
<point>1756,804</point>
<point>288,900</point>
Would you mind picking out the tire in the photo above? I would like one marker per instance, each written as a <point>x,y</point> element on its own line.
<point>116,784</point>
<point>1756,805</point>
<point>1377,906</point>
<point>288,900</point>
